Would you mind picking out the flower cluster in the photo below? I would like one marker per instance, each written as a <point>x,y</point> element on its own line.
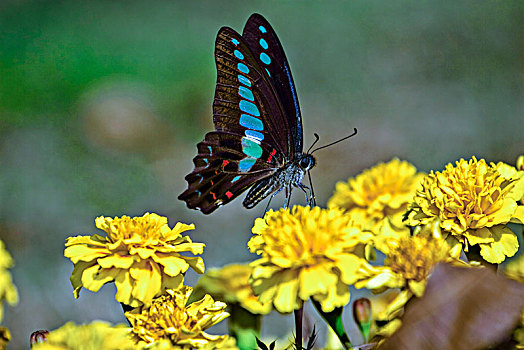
<point>379,195</point>
<point>169,319</point>
<point>471,203</point>
<point>141,255</point>
<point>306,252</point>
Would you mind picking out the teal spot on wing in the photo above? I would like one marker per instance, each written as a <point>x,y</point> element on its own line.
<point>264,44</point>
<point>238,55</point>
<point>210,150</point>
<point>249,107</point>
<point>243,68</point>
<point>265,58</point>
<point>251,148</point>
<point>258,136</point>
<point>246,93</point>
<point>244,80</point>
<point>251,122</point>
<point>262,29</point>
<point>246,164</point>
<point>236,178</point>
<point>268,72</point>
<point>235,41</point>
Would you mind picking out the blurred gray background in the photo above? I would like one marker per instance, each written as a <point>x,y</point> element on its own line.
<point>102,104</point>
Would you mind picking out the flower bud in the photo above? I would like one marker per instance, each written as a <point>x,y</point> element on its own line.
<point>38,337</point>
<point>362,315</point>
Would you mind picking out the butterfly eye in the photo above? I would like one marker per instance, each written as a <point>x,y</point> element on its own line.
<point>307,162</point>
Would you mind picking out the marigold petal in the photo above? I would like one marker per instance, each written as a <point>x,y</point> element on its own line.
<point>117,261</point>
<point>76,276</point>
<point>348,264</point>
<point>286,299</point>
<point>482,235</point>
<point>147,279</point>
<point>196,263</point>
<point>315,280</point>
<point>518,216</point>
<point>505,245</point>
<point>84,253</point>
<point>336,296</point>
<point>124,288</point>
<point>94,282</point>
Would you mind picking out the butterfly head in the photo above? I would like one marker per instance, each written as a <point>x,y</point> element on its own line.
<point>307,161</point>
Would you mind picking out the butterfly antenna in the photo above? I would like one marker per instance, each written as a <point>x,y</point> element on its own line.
<point>314,143</point>
<point>333,143</point>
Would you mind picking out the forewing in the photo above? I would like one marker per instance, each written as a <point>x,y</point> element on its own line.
<point>246,103</point>
<point>263,42</point>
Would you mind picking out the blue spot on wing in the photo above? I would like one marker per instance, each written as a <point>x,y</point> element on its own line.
<point>236,178</point>
<point>246,93</point>
<point>265,58</point>
<point>251,148</point>
<point>244,80</point>
<point>249,107</point>
<point>246,164</point>
<point>254,135</point>
<point>262,29</point>
<point>238,55</point>
<point>235,41</point>
<point>263,43</point>
<point>268,72</point>
<point>243,68</point>
<point>251,122</point>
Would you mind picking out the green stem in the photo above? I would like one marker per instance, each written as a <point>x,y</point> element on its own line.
<point>334,320</point>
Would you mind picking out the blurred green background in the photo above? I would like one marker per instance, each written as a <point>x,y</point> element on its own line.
<point>102,104</point>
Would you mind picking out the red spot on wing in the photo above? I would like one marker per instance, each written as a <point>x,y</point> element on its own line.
<point>273,152</point>
<point>229,194</point>
<point>214,195</point>
<point>224,163</point>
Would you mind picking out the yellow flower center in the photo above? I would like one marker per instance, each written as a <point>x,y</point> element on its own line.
<point>413,257</point>
<point>303,236</point>
<point>148,227</point>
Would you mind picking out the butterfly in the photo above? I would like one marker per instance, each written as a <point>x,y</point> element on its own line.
<point>257,142</point>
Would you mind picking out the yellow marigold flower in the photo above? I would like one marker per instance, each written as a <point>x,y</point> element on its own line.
<point>142,255</point>
<point>306,252</point>
<point>384,191</point>
<point>8,291</point>
<point>409,261</point>
<point>97,335</point>
<point>231,285</point>
<point>472,202</point>
<point>168,318</point>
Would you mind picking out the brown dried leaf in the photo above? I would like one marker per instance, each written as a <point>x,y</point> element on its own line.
<point>462,308</point>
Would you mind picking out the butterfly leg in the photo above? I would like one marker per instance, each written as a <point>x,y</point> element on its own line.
<point>289,189</point>
<point>309,198</point>
<point>271,197</point>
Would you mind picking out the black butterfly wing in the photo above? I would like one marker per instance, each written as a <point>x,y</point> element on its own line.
<point>251,140</point>
<point>218,177</point>
<point>263,42</point>
<point>246,102</point>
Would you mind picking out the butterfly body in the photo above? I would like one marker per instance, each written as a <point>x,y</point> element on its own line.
<point>290,174</point>
<point>257,142</point>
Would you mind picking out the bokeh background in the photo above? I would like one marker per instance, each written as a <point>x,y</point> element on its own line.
<point>102,104</point>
